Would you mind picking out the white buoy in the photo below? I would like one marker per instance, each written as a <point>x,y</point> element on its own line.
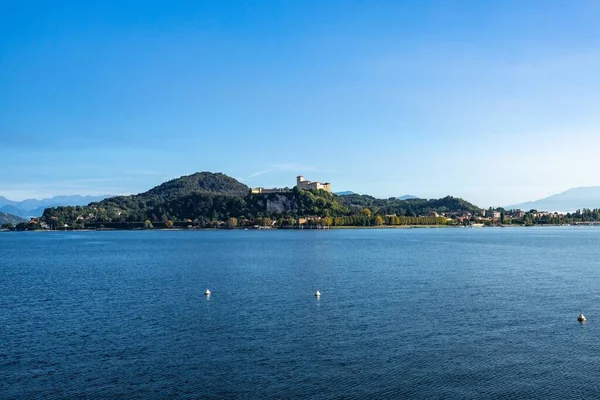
<point>207,292</point>
<point>318,294</point>
<point>581,318</point>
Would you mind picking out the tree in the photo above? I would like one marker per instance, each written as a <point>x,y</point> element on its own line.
<point>232,222</point>
<point>78,224</point>
<point>147,224</point>
<point>267,222</point>
<point>366,212</point>
<point>379,220</point>
<point>22,226</point>
<point>169,224</point>
<point>8,226</point>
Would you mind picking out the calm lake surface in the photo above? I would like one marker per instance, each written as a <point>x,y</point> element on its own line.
<point>404,313</point>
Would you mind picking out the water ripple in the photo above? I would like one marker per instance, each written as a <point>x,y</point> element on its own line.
<point>404,314</point>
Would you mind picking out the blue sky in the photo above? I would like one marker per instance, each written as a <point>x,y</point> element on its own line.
<point>495,102</point>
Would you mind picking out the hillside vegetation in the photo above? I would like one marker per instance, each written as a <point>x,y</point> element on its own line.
<point>408,207</point>
<point>9,219</point>
<point>208,199</point>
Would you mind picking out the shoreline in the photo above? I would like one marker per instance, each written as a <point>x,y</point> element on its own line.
<point>304,229</point>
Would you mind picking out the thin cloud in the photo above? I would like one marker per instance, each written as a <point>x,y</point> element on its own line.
<point>292,167</point>
<point>289,167</point>
<point>259,173</point>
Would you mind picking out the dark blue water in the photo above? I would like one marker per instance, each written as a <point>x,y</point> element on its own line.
<point>416,313</point>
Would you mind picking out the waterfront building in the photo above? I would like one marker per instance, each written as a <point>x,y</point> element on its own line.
<point>518,213</point>
<point>301,183</point>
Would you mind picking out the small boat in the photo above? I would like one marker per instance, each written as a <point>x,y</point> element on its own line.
<point>207,292</point>
<point>318,294</point>
<point>581,318</point>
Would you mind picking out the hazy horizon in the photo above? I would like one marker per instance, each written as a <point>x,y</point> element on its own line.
<point>493,102</point>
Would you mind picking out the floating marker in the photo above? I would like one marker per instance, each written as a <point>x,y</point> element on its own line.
<point>207,292</point>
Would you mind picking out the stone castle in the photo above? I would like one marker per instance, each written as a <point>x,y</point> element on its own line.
<point>301,183</point>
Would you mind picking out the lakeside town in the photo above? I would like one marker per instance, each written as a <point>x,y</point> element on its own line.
<point>308,205</point>
<point>450,219</point>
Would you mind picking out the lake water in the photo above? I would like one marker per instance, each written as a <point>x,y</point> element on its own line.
<point>404,313</point>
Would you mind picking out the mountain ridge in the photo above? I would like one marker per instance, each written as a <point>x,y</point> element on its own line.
<point>569,200</point>
<point>35,207</point>
<point>6,218</point>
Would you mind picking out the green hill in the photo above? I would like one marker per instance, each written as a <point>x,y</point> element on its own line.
<point>200,182</point>
<point>156,203</point>
<point>409,207</point>
<point>209,199</point>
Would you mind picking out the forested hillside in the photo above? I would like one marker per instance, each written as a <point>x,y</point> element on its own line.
<point>408,207</point>
<point>206,199</point>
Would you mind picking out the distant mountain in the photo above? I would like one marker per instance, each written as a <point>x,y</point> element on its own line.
<point>11,210</point>
<point>72,200</point>
<point>6,202</point>
<point>35,208</point>
<point>569,201</point>
<point>9,219</point>
<point>345,193</point>
<point>407,197</point>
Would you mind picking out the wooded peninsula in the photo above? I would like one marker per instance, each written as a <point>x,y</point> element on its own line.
<point>215,200</point>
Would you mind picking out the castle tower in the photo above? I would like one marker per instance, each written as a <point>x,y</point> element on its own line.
<point>299,180</point>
